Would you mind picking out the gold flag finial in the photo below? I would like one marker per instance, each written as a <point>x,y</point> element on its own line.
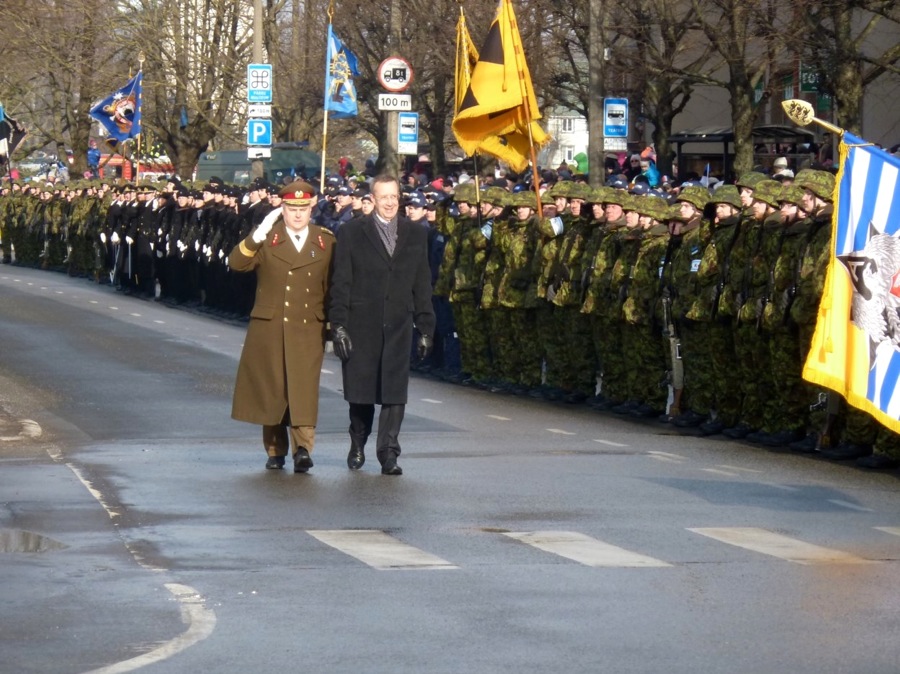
<point>802,113</point>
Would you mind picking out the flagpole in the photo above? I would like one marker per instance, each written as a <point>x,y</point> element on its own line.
<point>520,56</point>
<point>324,146</point>
<point>137,170</point>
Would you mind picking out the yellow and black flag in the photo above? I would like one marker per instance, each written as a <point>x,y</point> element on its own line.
<point>497,111</point>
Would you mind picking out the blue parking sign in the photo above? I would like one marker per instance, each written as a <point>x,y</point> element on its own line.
<point>259,132</point>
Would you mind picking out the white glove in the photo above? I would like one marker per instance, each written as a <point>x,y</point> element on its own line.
<point>159,232</point>
<point>129,240</point>
<point>221,253</point>
<point>205,249</point>
<point>115,237</point>
<point>159,253</point>
<point>152,246</point>
<point>197,246</point>
<point>180,245</point>
<point>266,226</point>
<point>103,237</point>
<point>226,261</point>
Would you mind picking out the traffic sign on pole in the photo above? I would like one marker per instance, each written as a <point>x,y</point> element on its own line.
<point>259,132</point>
<point>259,83</point>
<point>394,101</point>
<point>408,133</point>
<point>395,74</point>
<point>615,118</point>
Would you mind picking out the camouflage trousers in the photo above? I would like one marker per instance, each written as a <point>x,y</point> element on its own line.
<point>577,362</point>
<point>787,407</point>
<point>699,381</point>
<point>548,334</point>
<point>518,354</point>
<point>471,325</point>
<point>719,337</point>
<point>607,338</point>
<point>646,371</point>
<point>753,374</point>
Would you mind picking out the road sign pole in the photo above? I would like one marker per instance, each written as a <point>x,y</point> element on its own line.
<point>257,168</point>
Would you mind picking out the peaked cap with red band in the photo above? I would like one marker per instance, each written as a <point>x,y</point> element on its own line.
<point>298,193</point>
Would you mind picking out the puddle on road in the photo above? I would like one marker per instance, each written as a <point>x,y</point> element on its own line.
<point>17,540</point>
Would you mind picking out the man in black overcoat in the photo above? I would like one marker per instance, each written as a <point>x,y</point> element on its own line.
<point>380,292</point>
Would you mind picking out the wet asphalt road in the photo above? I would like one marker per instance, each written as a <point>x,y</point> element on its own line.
<point>139,531</point>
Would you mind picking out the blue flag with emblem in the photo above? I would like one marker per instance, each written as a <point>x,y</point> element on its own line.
<point>856,347</point>
<point>340,69</point>
<point>120,112</point>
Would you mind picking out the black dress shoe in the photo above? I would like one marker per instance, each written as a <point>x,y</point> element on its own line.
<point>356,458</point>
<point>302,461</point>
<point>275,463</point>
<point>688,419</point>
<point>390,467</point>
<point>807,445</point>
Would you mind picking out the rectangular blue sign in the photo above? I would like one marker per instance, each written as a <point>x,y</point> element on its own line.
<point>259,83</point>
<point>615,118</point>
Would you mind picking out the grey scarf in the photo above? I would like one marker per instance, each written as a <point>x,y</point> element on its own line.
<point>387,232</point>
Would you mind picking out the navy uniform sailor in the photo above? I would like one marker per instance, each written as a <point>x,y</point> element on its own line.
<point>278,375</point>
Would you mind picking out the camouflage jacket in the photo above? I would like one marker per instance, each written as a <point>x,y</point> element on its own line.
<point>713,270</point>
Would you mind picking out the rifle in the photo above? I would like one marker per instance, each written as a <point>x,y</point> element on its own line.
<point>676,374</point>
<point>726,271</point>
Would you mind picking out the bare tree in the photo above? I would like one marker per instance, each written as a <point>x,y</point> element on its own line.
<point>838,40</point>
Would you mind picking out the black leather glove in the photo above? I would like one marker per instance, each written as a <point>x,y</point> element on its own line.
<point>340,338</point>
<point>424,346</point>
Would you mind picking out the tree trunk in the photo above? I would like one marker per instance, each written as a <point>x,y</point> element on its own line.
<point>742,118</point>
<point>848,79</point>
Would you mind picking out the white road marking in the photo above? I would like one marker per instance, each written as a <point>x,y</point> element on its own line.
<point>745,470</point>
<point>43,287</point>
<point>716,471</point>
<point>783,487</point>
<point>782,547</point>
<point>94,302</point>
<point>59,292</point>
<point>560,431</point>
<point>113,514</point>
<point>160,322</point>
<point>136,315</point>
<point>114,308</point>
<point>584,549</point>
<point>895,531</point>
<point>851,506</point>
<point>213,336</point>
<point>324,371</point>
<point>432,401</point>
<point>610,443</point>
<point>201,622</point>
<point>497,417</point>
<point>668,455</point>
<point>379,550</point>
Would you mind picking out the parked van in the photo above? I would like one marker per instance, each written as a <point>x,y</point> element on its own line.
<point>233,166</point>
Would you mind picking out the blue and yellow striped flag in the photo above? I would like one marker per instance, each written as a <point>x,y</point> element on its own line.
<point>856,347</point>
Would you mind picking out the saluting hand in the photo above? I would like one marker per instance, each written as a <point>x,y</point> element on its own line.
<point>262,231</point>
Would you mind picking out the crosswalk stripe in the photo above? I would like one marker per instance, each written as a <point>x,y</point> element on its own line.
<point>776,545</point>
<point>584,549</point>
<point>379,550</point>
<point>890,530</point>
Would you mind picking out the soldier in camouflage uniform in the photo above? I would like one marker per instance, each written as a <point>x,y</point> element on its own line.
<point>693,234</point>
<point>571,348</point>
<point>516,297</point>
<point>500,339</point>
<point>599,304</point>
<point>788,407</point>
<point>621,277</point>
<point>752,257</point>
<point>551,231</point>
<point>465,298</point>
<point>641,310</point>
<point>713,318</point>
